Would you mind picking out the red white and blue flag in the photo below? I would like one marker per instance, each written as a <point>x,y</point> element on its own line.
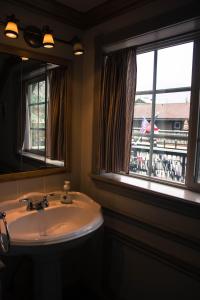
<point>146,127</point>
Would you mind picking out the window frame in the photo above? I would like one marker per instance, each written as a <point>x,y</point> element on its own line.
<point>154,91</point>
<point>28,82</point>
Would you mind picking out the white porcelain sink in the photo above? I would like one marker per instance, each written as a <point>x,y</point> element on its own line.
<point>55,224</point>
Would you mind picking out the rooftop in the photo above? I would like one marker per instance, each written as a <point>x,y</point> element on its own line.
<point>171,111</point>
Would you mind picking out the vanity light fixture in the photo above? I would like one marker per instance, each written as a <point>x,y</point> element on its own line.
<point>48,41</point>
<point>11,29</point>
<point>36,38</point>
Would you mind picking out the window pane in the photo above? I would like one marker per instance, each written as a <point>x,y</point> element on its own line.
<point>34,116</point>
<point>171,136</point>
<point>42,91</point>
<point>145,71</point>
<point>34,139</point>
<point>142,114</point>
<point>33,92</point>
<point>139,161</point>
<point>174,67</point>
<point>179,97</point>
<point>140,147</point>
<point>41,116</point>
<point>170,166</point>
<point>41,142</point>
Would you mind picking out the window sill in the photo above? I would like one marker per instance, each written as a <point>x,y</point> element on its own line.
<point>41,158</point>
<point>158,194</point>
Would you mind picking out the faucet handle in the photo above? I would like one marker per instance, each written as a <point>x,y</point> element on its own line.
<point>45,201</point>
<point>27,201</point>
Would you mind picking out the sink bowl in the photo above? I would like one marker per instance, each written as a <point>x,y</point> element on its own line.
<point>55,224</point>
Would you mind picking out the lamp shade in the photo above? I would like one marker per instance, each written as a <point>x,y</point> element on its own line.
<point>48,41</point>
<point>11,30</point>
<point>78,48</point>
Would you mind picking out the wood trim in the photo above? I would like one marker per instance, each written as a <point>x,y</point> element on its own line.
<point>31,174</point>
<point>168,20</point>
<point>171,235</point>
<point>176,263</point>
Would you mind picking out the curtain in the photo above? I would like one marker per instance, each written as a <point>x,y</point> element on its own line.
<point>59,114</point>
<point>116,109</point>
<point>21,117</point>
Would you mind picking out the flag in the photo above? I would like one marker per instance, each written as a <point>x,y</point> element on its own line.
<point>148,129</point>
<point>144,125</point>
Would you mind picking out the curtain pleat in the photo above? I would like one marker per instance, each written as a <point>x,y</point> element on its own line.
<point>116,110</point>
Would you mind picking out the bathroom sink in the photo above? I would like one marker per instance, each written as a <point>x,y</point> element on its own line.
<point>55,224</point>
<point>46,233</point>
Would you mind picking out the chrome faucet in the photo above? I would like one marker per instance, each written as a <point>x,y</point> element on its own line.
<point>35,205</point>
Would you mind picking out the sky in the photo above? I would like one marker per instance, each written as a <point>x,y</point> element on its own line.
<point>174,70</point>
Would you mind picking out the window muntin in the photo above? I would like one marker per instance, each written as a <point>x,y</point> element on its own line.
<point>159,150</point>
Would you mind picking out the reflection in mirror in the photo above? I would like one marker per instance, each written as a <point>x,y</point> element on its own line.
<point>32,106</point>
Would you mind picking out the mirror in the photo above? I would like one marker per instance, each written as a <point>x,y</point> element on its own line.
<point>32,114</point>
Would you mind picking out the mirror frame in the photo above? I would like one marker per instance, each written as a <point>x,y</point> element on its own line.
<point>39,172</point>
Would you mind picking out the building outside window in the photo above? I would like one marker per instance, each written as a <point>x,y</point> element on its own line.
<point>161,113</point>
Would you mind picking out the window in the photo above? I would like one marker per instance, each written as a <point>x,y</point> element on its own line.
<point>36,116</point>
<point>161,113</point>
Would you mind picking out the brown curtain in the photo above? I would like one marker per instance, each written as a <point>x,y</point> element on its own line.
<point>21,117</point>
<point>59,114</point>
<point>116,110</point>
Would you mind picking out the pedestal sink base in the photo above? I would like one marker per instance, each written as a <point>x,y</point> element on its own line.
<point>47,278</point>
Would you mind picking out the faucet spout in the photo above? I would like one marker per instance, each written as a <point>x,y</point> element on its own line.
<point>32,204</point>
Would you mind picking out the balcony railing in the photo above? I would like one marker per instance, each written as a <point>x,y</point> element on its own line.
<point>169,154</point>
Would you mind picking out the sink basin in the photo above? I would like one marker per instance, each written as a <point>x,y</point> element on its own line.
<point>55,224</point>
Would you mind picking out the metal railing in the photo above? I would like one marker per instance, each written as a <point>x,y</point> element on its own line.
<point>169,156</point>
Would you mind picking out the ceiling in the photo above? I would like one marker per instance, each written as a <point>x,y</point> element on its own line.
<point>82,14</point>
<point>81,5</point>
